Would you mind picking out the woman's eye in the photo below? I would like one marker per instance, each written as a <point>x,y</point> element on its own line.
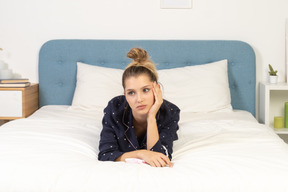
<point>131,93</point>
<point>146,90</point>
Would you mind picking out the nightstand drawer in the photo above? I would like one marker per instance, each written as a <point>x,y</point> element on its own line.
<point>11,103</point>
<point>18,103</point>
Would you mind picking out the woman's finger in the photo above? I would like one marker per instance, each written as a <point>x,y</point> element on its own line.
<point>162,162</point>
<point>155,164</point>
<point>167,160</point>
<point>157,92</point>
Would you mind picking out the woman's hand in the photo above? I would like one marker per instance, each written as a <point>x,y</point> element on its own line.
<point>158,100</point>
<point>155,159</point>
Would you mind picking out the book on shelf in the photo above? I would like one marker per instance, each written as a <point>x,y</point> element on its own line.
<point>27,84</point>
<point>14,80</point>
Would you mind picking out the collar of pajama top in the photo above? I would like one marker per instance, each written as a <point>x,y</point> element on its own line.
<point>130,134</point>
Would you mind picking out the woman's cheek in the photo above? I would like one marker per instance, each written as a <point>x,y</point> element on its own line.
<point>130,100</point>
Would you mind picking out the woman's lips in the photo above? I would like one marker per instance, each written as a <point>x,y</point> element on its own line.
<point>140,107</point>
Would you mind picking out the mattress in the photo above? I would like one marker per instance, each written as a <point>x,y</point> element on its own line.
<point>56,149</point>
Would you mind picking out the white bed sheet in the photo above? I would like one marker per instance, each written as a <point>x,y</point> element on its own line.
<point>56,149</point>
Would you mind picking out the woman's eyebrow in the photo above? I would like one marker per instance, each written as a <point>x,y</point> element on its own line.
<point>146,86</point>
<point>127,90</point>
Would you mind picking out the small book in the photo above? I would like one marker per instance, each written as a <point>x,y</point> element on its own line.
<point>15,84</point>
<point>14,80</point>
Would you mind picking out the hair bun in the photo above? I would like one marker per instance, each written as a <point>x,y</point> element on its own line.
<point>137,54</point>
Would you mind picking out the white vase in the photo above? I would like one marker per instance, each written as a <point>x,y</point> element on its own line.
<point>273,79</point>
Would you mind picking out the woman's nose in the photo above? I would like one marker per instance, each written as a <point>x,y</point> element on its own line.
<point>140,98</point>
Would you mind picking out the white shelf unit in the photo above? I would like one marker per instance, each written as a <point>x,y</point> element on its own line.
<point>272,102</point>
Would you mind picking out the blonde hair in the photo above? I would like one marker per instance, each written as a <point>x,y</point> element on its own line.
<point>141,65</point>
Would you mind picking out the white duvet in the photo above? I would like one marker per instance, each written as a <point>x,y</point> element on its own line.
<point>56,149</point>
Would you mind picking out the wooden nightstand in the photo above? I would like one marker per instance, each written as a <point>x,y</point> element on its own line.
<point>16,103</point>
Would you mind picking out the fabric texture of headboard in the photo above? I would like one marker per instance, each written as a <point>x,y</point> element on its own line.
<point>58,63</point>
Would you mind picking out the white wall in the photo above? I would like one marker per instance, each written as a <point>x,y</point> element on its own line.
<point>26,25</point>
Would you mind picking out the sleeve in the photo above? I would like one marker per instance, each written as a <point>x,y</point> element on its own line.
<point>108,145</point>
<point>167,133</point>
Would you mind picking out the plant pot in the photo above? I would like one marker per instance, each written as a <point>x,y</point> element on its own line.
<point>273,79</point>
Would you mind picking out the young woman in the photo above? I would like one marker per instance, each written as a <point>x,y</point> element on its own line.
<point>139,124</point>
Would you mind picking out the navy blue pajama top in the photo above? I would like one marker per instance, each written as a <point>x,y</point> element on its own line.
<point>118,135</point>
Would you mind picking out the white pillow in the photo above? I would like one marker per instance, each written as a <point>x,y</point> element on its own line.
<point>95,86</point>
<point>199,88</point>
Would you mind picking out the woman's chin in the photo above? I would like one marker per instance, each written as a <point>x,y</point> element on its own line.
<point>142,112</point>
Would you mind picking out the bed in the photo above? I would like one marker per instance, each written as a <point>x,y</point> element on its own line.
<point>221,146</point>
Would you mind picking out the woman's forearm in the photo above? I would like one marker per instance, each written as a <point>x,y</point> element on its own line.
<point>152,132</point>
<point>131,154</point>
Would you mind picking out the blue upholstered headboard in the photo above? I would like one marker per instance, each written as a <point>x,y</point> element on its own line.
<point>57,63</point>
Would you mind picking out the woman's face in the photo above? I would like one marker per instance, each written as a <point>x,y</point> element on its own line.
<point>139,94</point>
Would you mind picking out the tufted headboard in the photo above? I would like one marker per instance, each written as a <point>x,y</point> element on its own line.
<point>58,58</point>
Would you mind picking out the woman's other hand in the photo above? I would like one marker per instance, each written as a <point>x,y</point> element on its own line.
<point>155,159</point>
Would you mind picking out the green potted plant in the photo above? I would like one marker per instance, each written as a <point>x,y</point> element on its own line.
<point>272,75</point>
